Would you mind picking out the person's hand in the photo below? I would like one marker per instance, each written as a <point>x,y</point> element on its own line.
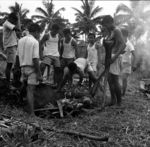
<point>134,68</point>
<point>39,77</point>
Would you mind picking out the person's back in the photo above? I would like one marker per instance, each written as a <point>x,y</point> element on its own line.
<point>9,35</point>
<point>26,50</point>
<point>127,56</point>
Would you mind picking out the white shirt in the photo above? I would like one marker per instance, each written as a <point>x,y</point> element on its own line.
<point>51,47</point>
<point>9,35</point>
<point>92,54</point>
<point>28,49</point>
<point>127,56</point>
<point>69,51</point>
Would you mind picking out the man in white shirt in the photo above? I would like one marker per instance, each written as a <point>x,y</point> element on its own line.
<point>68,51</point>
<point>127,61</point>
<point>28,55</point>
<point>79,66</point>
<point>10,41</point>
<point>51,45</point>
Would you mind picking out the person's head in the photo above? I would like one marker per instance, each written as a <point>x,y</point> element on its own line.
<point>55,29</point>
<point>73,67</point>
<point>91,37</point>
<point>35,30</point>
<point>12,17</point>
<point>125,33</point>
<point>108,22</point>
<point>67,33</point>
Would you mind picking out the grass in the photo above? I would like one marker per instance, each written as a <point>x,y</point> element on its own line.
<point>127,126</point>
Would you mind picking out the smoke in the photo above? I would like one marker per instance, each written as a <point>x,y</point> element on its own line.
<point>141,34</point>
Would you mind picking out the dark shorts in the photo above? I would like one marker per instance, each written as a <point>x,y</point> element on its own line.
<point>51,60</point>
<point>66,61</point>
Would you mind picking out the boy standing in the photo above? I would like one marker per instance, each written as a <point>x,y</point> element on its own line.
<point>69,48</point>
<point>28,57</point>
<point>126,60</point>
<point>51,44</point>
<point>10,42</point>
<point>92,50</point>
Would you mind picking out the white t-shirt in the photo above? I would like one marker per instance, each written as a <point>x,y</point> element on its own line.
<point>69,51</point>
<point>9,35</point>
<point>92,56</point>
<point>28,49</point>
<point>51,46</point>
<point>127,56</point>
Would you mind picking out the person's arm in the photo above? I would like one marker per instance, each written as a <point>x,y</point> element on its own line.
<point>42,44</point>
<point>120,44</point>
<point>75,46</point>
<point>60,47</point>
<point>44,39</point>
<point>35,57</point>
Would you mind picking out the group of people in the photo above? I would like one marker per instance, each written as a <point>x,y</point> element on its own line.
<point>33,55</point>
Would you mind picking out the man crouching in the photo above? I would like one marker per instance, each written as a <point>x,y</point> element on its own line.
<point>28,57</point>
<point>79,66</point>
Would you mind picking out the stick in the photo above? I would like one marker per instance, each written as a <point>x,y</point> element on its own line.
<point>75,133</point>
<point>60,109</point>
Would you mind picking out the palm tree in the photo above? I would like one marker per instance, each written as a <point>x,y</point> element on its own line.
<point>22,13</point>
<point>86,17</point>
<point>48,16</point>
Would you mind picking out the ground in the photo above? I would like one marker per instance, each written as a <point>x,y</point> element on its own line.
<point>125,126</point>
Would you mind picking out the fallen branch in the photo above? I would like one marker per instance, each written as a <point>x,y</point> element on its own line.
<point>75,133</point>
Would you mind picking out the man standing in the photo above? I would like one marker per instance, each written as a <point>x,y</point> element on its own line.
<point>51,43</point>
<point>116,44</point>
<point>10,42</point>
<point>28,53</point>
<point>68,51</point>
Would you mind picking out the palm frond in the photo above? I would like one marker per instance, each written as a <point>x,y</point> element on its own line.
<point>37,17</point>
<point>121,18</point>
<point>58,12</point>
<point>42,11</point>
<point>123,7</point>
<point>79,13</point>
<point>96,11</point>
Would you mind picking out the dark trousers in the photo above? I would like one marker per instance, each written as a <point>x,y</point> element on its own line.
<point>115,88</point>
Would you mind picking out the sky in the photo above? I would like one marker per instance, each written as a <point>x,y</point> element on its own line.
<point>108,6</point>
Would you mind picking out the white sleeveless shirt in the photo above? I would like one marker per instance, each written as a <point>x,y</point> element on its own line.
<point>92,54</point>
<point>51,47</point>
<point>69,51</point>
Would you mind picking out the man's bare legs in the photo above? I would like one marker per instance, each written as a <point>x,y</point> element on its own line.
<point>124,83</point>
<point>8,71</point>
<point>30,98</point>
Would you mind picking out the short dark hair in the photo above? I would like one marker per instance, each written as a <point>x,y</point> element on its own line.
<point>34,27</point>
<point>73,67</point>
<point>66,31</point>
<point>55,27</point>
<point>13,16</point>
<point>124,32</point>
<point>108,19</point>
<point>91,34</point>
